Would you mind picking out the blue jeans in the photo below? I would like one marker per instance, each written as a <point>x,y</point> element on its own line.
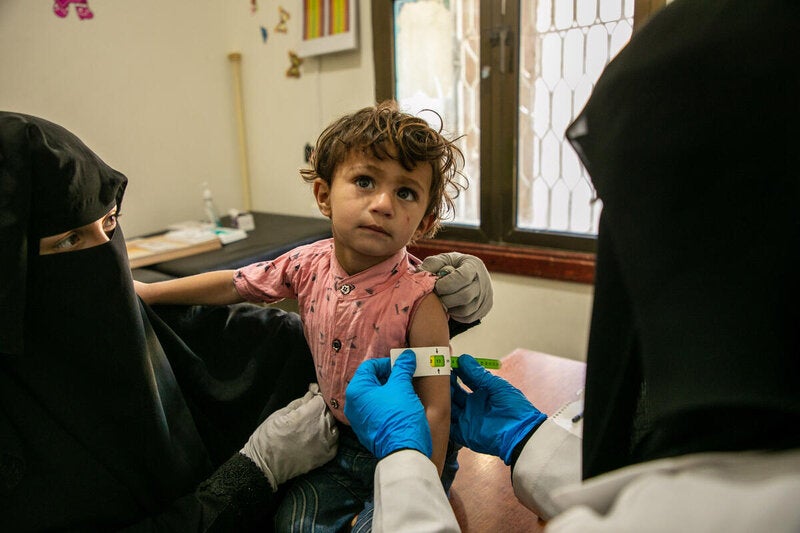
<point>326,499</point>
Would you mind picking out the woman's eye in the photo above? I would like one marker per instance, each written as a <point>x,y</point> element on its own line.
<point>363,182</point>
<point>407,194</point>
<point>110,222</point>
<point>70,241</point>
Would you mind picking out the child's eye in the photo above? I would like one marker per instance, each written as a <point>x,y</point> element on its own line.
<point>68,242</point>
<point>407,194</point>
<point>363,182</point>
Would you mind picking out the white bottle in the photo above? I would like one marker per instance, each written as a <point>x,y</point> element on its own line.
<point>208,204</point>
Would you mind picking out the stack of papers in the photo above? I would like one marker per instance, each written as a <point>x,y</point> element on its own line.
<point>171,245</point>
<point>229,235</point>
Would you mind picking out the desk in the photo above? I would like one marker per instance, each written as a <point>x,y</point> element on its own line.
<point>273,236</point>
<point>482,496</point>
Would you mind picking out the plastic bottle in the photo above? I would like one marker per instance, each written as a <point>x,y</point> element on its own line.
<point>208,204</point>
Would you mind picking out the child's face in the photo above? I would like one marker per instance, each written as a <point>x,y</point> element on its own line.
<point>376,207</point>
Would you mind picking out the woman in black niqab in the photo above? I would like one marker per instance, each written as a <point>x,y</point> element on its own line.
<point>691,145</point>
<point>96,431</point>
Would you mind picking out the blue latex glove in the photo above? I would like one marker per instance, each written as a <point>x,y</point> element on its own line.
<point>493,418</point>
<point>383,409</point>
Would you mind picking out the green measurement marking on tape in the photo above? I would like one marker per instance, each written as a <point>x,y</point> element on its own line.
<point>437,361</point>
<point>491,364</point>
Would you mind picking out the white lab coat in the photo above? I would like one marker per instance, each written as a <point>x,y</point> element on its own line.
<point>731,492</point>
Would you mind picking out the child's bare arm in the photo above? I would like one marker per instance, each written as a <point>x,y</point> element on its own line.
<point>429,328</point>
<point>209,288</point>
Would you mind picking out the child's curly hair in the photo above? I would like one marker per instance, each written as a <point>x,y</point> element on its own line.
<point>384,131</point>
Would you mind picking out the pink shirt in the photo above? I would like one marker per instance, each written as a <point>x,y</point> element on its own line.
<point>346,319</point>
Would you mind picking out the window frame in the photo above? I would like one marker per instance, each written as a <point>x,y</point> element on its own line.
<point>497,241</point>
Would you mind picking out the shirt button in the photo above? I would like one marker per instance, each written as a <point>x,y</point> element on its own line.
<point>345,289</point>
<point>337,345</point>
<point>334,403</point>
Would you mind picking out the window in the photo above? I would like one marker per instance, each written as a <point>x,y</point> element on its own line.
<point>510,77</point>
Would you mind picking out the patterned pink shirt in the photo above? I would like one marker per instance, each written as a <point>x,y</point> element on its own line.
<point>346,319</point>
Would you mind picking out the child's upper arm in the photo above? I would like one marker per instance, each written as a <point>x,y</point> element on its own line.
<point>429,324</point>
<point>429,328</point>
<point>269,281</point>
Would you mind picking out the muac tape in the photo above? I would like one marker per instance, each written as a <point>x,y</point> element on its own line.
<point>437,361</point>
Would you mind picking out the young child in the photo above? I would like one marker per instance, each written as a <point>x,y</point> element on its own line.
<point>384,178</point>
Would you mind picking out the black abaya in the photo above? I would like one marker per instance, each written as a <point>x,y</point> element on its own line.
<point>690,140</point>
<point>109,420</point>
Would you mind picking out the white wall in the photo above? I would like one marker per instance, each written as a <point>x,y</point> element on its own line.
<point>145,84</point>
<point>538,314</point>
<point>282,113</point>
<point>148,86</point>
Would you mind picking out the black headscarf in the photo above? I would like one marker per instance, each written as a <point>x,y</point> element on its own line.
<point>690,140</point>
<point>50,182</point>
<point>89,402</point>
<point>107,417</point>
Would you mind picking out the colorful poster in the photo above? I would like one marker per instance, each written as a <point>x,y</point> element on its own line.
<point>328,26</point>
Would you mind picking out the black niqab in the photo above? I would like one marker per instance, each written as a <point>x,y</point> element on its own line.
<point>50,182</point>
<point>90,407</point>
<point>112,415</point>
<point>690,140</point>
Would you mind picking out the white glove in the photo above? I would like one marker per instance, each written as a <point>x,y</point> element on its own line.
<point>464,285</point>
<point>295,439</point>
